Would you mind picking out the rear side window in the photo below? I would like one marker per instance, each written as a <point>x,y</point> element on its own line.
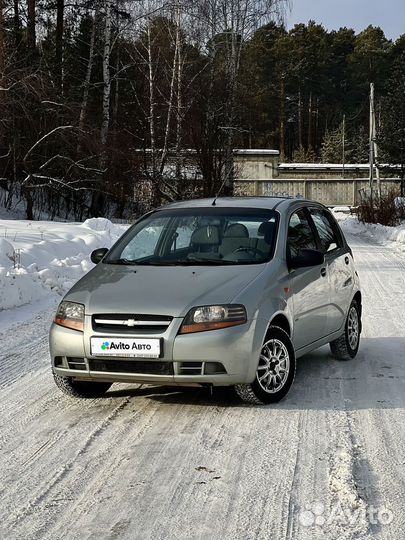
<point>300,234</point>
<point>328,235</point>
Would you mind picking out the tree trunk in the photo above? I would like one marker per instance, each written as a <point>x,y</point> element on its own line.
<point>310,122</point>
<point>153,161</point>
<point>169,108</point>
<point>300,119</point>
<point>317,141</point>
<point>86,84</point>
<point>17,24</point>
<point>106,83</point>
<point>26,192</point>
<point>179,115</point>
<point>2,56</point>
<point>232,69</point>
<point>31,37</point>
<point>97,203</point>
<point>2,63</point>
<point>60,8</point>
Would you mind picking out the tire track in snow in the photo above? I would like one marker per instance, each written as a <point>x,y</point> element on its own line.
<point>30,507</point>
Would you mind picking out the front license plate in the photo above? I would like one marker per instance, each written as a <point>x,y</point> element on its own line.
<point>126,347</point>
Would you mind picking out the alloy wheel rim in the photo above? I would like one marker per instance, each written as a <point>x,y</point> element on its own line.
<point>274,366</point>
<point>353,328</point>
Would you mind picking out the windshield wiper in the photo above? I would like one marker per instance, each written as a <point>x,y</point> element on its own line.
<point>163,262</point>
<point>213,262</point>
<point>121,261</point>
<point>192,261</point>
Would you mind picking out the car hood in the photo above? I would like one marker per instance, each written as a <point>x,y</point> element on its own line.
<point>159,290</point>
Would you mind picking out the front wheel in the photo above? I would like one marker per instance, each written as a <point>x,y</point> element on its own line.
<point>80,389</point>
<point>275,371</point>
<point>347,345</point>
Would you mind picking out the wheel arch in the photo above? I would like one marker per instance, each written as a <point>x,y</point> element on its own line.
<point>359,299</point>
<point>281,320</point>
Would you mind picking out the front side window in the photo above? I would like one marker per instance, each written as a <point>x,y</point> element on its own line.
<point>300,235</point>
<point>326,231</point>
<point>216,236</point>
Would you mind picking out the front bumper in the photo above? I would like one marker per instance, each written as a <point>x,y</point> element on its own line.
<point>236,349</point>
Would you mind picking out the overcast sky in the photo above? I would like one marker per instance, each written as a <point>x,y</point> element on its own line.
<point>357,14</point>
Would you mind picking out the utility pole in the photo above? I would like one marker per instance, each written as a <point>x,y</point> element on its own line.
<point>377,170</point>
<point>372,131</point>
<point>343,145</point>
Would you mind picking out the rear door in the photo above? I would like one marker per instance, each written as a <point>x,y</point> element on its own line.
<point>340,267</point>
<point>310,286</point>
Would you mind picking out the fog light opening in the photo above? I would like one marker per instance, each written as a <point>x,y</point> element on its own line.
<point>214,368</point>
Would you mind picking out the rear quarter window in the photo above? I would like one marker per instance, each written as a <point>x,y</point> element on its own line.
<point>328,232</point>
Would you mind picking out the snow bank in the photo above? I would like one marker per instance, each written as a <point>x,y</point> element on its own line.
<point>52,255</point>
<point>6,253</point>
<point>380,233</point>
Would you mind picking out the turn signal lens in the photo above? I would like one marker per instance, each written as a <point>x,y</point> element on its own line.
<point>203,318</point>
<point>70,315</point>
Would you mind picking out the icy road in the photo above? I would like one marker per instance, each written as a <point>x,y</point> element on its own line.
<point>327,463</point>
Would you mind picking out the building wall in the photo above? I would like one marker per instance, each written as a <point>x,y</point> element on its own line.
<point>256,164</point>
<point>258,173</point>
<point>330,192</point>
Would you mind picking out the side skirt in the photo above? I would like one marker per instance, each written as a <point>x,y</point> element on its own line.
<point>318,343</point>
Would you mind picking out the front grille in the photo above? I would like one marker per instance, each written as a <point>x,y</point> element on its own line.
<point>131,324</point>
<point>132,366</point>
<point>76,363</point>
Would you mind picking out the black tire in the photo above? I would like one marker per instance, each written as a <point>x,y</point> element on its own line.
<point>345,347</point>
<point>81,389</point>
<point>255,392</point>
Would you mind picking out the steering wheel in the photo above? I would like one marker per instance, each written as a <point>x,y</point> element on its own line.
<point>254,251</point>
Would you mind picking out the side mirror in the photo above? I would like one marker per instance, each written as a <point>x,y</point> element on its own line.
<point>98,254</point>
<point>306,258</point>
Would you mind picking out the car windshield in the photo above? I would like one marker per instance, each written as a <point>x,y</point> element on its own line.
<point>198,236</point>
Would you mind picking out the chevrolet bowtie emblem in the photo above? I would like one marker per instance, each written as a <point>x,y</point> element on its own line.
<point>132,322</point>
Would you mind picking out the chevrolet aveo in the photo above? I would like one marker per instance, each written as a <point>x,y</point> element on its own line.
<point>214,293</point>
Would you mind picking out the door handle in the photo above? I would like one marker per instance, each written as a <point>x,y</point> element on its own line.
<point>323,272</point>
<point>347,260</point>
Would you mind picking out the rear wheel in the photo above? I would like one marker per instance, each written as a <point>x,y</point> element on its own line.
<point>275,371</point>
<point>80,389</point>
<point>347,345</point>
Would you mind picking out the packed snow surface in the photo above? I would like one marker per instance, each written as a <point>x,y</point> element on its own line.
<point>150,462</point>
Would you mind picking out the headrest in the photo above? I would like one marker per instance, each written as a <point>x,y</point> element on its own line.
<point>267,229</point>
<point>236,230</point>
<point>206,235</point>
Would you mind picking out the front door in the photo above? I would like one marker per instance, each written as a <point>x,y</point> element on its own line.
<point>310,286</point>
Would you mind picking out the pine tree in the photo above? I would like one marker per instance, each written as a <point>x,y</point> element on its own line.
<point>332,146</point>
<point>391,139</point>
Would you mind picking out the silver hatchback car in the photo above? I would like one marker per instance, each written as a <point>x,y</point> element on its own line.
<point>214,293</point>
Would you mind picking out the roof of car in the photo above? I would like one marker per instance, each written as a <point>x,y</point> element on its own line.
<point>239,202</point>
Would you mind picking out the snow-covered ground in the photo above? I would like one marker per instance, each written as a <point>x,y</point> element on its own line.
<point>41,257</point>
<point>169,463</point>
<point>393,236</point>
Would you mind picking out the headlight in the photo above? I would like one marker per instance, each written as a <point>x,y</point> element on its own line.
<point>204,318</point>
<point>70,315</point>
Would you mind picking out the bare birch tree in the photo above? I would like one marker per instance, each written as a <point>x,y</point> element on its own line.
<point>89,68</point>
<point>2,56</point>
<point>31,25</point>
<point>235,21</point>
<point>98,196</point>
